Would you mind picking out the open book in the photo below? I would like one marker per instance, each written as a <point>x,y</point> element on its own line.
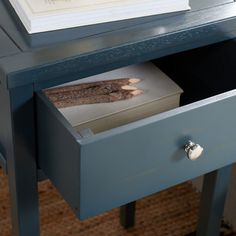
<point>47,15</point>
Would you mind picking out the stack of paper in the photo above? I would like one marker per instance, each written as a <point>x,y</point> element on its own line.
<point>47,15</point>
<point>159,94</point>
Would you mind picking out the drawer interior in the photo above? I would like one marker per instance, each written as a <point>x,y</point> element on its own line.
<point>201,73</point>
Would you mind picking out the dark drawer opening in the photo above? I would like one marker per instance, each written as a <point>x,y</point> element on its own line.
<point>202,72</point>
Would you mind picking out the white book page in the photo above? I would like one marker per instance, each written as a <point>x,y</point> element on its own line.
<point>46,15</point>
<point>42,6</point>
<point>55,7</point>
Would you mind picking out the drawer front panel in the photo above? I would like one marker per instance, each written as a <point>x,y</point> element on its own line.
<point>133,162</point>
<point>144,157</point>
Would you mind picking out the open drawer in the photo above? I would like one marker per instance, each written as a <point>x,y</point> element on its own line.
<point>95,173</point>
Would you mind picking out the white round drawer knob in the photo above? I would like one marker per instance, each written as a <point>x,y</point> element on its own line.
<point>194,151</point>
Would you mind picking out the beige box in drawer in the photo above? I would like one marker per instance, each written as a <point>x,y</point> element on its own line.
<point>159,94</point>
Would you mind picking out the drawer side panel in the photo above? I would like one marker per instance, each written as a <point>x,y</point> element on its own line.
<point>58,152</point>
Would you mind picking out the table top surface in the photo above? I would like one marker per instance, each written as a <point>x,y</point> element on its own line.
<point>51,58</point>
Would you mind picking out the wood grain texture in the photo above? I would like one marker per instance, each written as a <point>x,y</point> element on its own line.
<point>93,92</point>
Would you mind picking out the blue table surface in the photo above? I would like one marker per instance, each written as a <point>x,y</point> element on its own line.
<point>76,53</point>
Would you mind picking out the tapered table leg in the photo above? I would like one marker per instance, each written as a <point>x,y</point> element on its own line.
<point>212,201</point>
<point>127,215</point>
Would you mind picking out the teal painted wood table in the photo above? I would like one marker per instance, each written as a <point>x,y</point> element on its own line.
<point>117,167</point>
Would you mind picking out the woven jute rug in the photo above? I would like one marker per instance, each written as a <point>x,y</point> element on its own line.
<point>172,212</point>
